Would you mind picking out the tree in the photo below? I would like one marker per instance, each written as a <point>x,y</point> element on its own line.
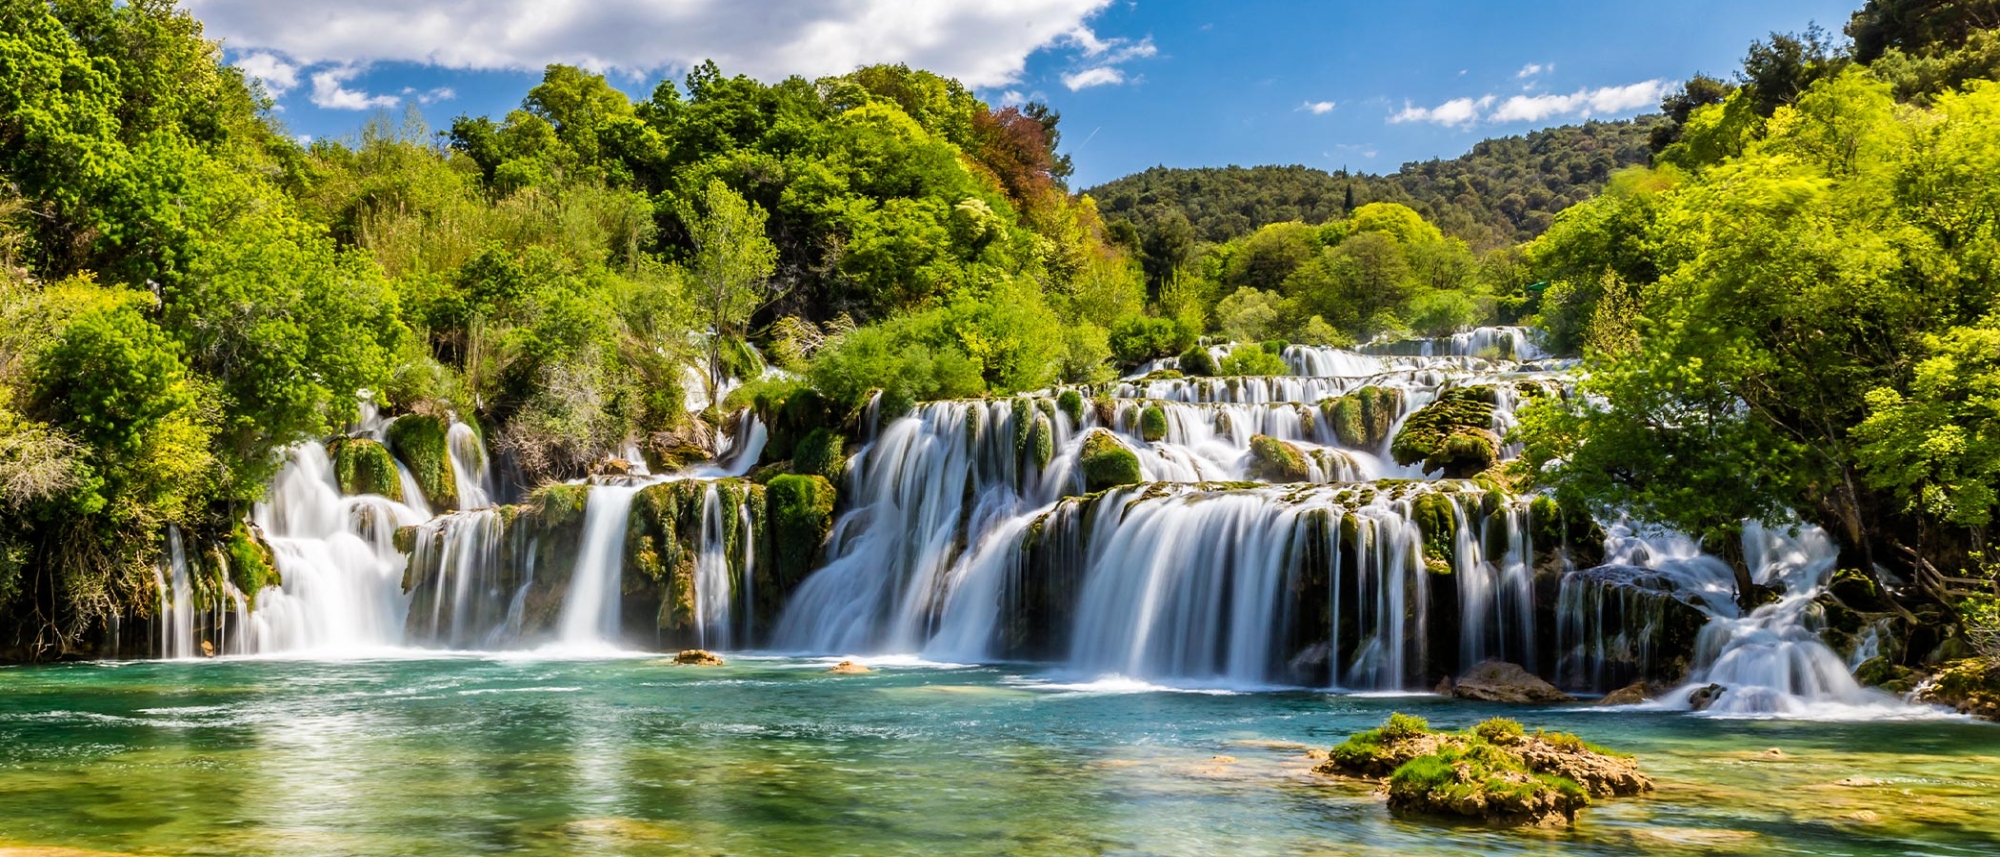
<point>1917,26</point>
<point>731,269</point>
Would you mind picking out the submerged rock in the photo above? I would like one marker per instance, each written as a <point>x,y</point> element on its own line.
<point>849,668</point>
<point>1499,681</point>
<point>698,658</point>
<point>1495,772</point>
<point>1631,694</point>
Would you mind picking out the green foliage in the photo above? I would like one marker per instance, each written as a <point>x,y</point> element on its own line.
<point>1071,402</point>
<point>1249,315</point>
<point>1136,339</point>
<point>1196,362</point>
<point>1362,419</point>
<point>1499,730</point>
<point>1506,189</point>
<point>1436,516</point>
<point>800,512</point>
<point>1106,463</point>
<point>1251,360</point>
<point>1002,342</point>
<point>1937,448</point>
<point>820,453</point>
<point>251,567</point>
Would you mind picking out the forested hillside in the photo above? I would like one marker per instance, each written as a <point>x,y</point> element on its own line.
<point>1505,190</point>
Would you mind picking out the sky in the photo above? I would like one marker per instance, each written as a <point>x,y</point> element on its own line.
<point>1361,85</point>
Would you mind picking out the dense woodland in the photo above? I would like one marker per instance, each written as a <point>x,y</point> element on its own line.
<point>1783,288</point>
<point>1506,190</point>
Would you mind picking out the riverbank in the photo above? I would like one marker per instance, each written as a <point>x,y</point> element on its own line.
<point>769,756</point>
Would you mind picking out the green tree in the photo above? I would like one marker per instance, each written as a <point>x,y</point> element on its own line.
<point>731,269</point>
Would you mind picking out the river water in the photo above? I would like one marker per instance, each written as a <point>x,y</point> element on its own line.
<point>520,754</point>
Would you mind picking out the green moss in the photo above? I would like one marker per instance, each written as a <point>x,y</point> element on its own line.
<point>251,564</point>
<point>1453,434</point>
<point>1196,362</point>
<point>799,512</point>
<point>1275,346</point>
<point>1435,515</point>
<point>821,453</point>
<point>559,505</point>
<point>1071,402</point>
<point>1362,419</point>
<point>1273,460</point>
<point>362,466</point>
<point>1153,424</point>
<point>1106,463</point>
<point>1042,441</point>
<point>1500,730</point>
<point>419,440</point>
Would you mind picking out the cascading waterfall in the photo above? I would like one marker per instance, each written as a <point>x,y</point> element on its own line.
<point>590,612</point>
<point>177,610</point>
<point>471,475</point>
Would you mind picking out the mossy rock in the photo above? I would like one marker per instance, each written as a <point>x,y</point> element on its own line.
<point>1452,436</point>
<point>1153,424</point>
<point>799,509</point>
<point>1196,362</point>
<point>1362,419</point>
<point>420,440</point>
<point>1041,441</point>
<point>1273,460</point>
<point>1496,772</point>
<point>1107,463</point>
<point>1275,346</point>
<point>252,566</point>
<point>1968,686</point>
<point>1436,516</point>
<point>362,466</point>
<point>559,505</point>
<point>1071,402</point>
<point>894,405</point>
<point>821,453</point>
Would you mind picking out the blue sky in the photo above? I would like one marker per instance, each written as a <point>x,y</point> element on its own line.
<point>1362,85</point>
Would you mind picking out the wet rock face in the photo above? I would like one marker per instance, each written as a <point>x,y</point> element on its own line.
<point>1499,681</point>
<point>1704,697</point>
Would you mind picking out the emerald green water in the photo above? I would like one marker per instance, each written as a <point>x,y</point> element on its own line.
<point>767,757</point>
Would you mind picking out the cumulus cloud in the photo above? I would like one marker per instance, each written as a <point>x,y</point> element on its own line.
<point>1098,76</point>
<point>1458,112</point>
<point>278,76</point>
<point>984,43</point>
<point>330,91</point>
<point>1532,69</point>
<point>1583,104</point>
<point>1317,108</point>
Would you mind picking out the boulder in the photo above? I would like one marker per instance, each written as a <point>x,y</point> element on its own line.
<point>1499,681</point>
<point>1452,435</point>
<point>1703,697</point>
<point>1106,463</point>
<point>1631,694</point>
<point>1968,686</point>
<point>849,668</point>
<point>1495,772</point>
<point>698,658</point>
<point>1273,460</point>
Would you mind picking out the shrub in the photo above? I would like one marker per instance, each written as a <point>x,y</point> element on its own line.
<point>1196,362</point>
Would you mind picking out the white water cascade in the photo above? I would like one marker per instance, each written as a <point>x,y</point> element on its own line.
<point>590,612</point>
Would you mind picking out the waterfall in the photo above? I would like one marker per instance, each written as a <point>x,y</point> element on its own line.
<point>177,610</point>
<point>341,572</point>
<point>590,612</point>
<point>471,475</point>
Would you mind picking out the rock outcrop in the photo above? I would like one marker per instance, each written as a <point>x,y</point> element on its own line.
<point>1453,435</point>
<point>1499,681</point>
<point>1495,772</point>
<point>698,658</point>
<point>1968,686</point>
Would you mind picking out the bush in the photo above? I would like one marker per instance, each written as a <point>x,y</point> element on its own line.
<point>1253,361</point>
<point>1136,339</point>
<point>800,512</point>
<point>821,453</point>
<point>1071,402</point>
<point>1196,362</point>
<point>1106,463</point>
<point>1153,424</point>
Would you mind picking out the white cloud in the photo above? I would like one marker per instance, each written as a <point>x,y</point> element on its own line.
<point>1583,103</point>
<point>1090,77</point>
<point>1458,112</point>
<point>1532,69</point>
<point>1317,108</point>
<point>984,43</point>
<point>330,91</point>
<point>278,76</point>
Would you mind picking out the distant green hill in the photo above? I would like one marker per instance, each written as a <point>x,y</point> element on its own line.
<point>1505,190</point>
